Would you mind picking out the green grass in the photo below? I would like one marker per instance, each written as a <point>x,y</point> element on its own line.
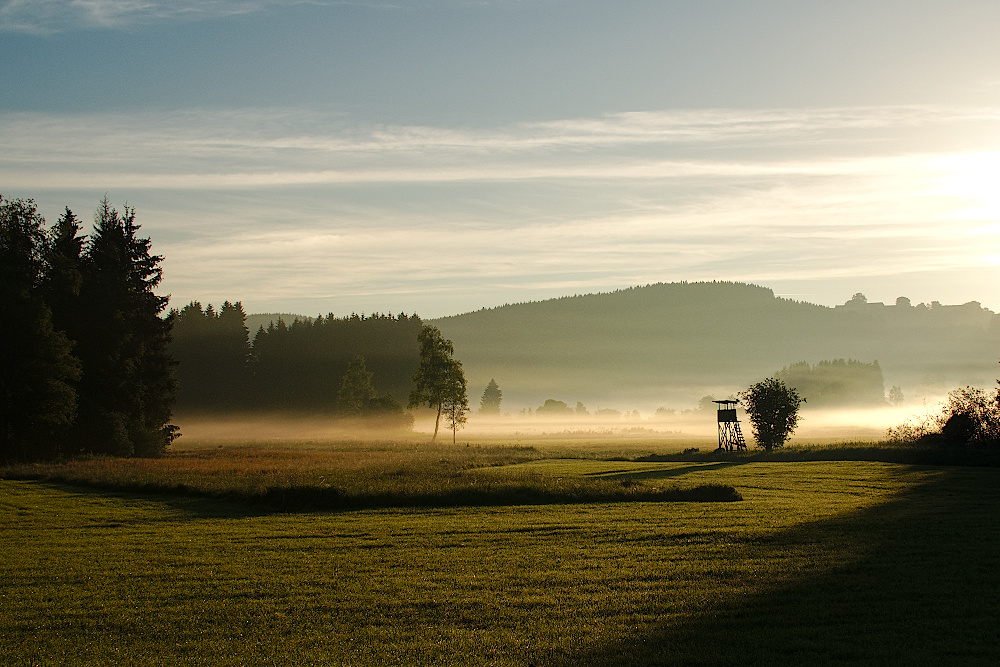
<point>820,563</point>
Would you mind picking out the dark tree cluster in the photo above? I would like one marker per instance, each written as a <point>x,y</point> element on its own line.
<point>213,352</point>
<point>84,343</point>
<point>355,366</point>
<point>837,382</point>
<point>554,407</point>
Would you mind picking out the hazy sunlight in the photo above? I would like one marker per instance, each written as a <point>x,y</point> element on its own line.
<point>975,178</point>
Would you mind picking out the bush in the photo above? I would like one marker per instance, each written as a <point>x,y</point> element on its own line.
<point>970,416</point>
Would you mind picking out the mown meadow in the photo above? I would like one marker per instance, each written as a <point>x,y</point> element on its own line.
<point>393,553</point>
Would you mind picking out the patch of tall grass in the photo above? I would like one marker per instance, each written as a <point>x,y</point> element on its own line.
<point>356,476</point>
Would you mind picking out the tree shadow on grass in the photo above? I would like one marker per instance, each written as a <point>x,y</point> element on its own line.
<point>665,472</point>
<point>183,505</point>
<point>914,581</point>
<point>297,499</point>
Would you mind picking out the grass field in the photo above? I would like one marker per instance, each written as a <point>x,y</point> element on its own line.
<point>821,562</point>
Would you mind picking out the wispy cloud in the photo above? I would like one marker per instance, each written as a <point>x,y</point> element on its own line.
<point>284,207</point>
<point>254,148</point>
<point>51,16</point>
<point>54,16</point>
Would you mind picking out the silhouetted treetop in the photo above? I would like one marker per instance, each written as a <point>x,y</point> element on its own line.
<point>38,373</point>
<point>88,370</point>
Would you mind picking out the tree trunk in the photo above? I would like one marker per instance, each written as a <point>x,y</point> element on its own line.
<point>437,422</point>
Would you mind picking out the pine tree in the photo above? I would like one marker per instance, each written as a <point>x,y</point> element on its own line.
<point>128,385</point>
<point>489,404</point>
<point>64,274</point>
<point>37,399</point>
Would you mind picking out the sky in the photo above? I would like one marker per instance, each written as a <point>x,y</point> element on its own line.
<point>440,156</point>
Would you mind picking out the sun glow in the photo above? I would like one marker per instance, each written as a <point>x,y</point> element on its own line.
<point>973,179</point>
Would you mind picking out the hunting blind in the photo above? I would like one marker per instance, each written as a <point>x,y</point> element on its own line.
<point>730,436</point>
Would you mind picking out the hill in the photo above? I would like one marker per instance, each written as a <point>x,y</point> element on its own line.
<point>669,344</point>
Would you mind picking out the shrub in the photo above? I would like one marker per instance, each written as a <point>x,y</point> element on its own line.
<point>971,416</point>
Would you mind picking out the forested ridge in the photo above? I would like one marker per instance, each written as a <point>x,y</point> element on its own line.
<point>670,343</point>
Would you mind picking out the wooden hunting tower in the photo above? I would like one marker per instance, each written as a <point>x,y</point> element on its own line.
<point>730,436</point>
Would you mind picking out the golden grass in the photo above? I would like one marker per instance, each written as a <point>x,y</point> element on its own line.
<point>353,474</point>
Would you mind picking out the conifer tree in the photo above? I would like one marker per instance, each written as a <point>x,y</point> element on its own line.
<point>489,404</point>
<point>193,356</point>
<point>233,355</point>
<point>37,369</point>
<point>234,335</point>
<point>64,274</point>
<point>127,389</point>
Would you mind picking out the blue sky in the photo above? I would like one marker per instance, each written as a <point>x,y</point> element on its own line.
<point>438,156</point>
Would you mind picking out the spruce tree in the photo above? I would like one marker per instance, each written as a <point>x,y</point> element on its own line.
<point>127,388</point>
<point>37,399</point>
<point>188,347</point>
<point>489,404</point>
<point>64,274</point>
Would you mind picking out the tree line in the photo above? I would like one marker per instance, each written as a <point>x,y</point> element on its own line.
<point>91,363</point>
<point>86,368</point>
<point>297,367</point>
<point>839,382</point>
